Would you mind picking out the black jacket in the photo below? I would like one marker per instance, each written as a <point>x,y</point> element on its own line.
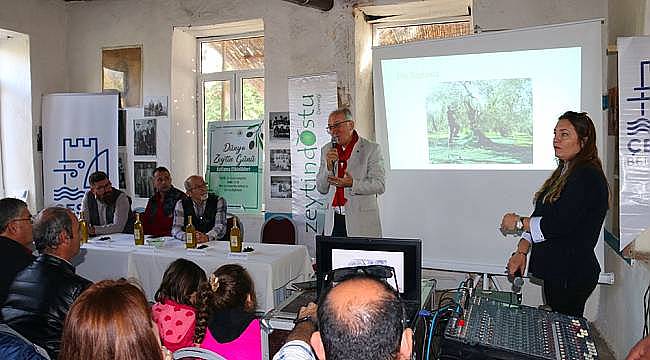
<point>13,258</point>
<point>571,227</point>
<point>39,299</point>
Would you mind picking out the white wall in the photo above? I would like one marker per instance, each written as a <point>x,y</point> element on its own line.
<point>44,21</point>
<point>15,114</point>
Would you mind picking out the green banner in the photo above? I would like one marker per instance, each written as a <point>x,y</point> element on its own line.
<point>234,168</point>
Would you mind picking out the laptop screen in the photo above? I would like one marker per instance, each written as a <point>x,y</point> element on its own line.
<point>404,255</point>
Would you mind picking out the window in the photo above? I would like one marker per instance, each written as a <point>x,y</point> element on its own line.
<point>399,34</point>
<point>231,81</point>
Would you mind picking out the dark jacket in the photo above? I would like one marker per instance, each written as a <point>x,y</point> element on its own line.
<point>158,217</point>
<point>14,346</point>
<point>571,227</point>
<point>14,257</point>
<point>39,299</point>
<point>93,211</point>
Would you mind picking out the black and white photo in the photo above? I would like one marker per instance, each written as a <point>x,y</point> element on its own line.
<point>281,187</point>
<point>279,125</point>
<point>122,161</point>
<point>144,137</point>
<point>155,106</point>
<point>280,159</point>
<point>143,178</point>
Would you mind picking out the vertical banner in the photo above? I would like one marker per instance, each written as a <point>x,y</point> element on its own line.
<point>634,137</point>
<point>79,138</point>
<point>311,99</point>
<point>235,163</point>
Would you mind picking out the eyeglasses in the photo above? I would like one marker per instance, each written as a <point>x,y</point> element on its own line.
<point>337,125</point>
<point>381,272</point>
<point>30,219</point>
<point>201,186</point>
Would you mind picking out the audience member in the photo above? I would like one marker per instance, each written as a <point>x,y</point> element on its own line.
<point>208,212</point>
<point>14,346</point>
<point>226,322</point>
<point>362,318</point>
<point>640,351</point>
<point>106,209</point>
<point>41,295</point>
<point>159,214</point>
<point>174,311</point>
<point>111,321</point>
<point>297,346</point>
<point>15,241</point>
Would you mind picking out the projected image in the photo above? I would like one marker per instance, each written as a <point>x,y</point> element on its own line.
<point>481,122</point>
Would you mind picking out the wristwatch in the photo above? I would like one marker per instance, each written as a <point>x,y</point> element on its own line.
<point>520,224</point>
<point>303,319</point>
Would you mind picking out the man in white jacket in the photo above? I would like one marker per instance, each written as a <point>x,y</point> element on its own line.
<point>352,174</point>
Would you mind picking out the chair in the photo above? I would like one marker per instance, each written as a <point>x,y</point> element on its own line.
<point>196,353</point>
<point>278,230</point>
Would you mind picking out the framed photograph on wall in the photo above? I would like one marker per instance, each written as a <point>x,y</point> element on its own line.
<point>279,125</point>
<point>144,137</point>
<point>155,106</point>
<point>280,159</point>
<point>122,71</point>
<point>281,187</point>
<point>143,178</point>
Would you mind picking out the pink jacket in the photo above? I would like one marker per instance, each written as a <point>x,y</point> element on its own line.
<point>248,346</point>
<point>176,324</point>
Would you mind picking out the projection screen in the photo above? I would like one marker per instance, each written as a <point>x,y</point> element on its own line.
<point>466,129</point>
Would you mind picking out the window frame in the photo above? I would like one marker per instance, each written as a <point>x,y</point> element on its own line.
<point>236,84</point>
<point>376,27</point>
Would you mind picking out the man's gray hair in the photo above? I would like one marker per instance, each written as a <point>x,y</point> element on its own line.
<point>48,225</point>
<point>187,184</point>
<point>10,209</point>
<point>345,111</point>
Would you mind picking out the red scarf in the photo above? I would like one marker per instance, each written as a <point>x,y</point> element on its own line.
<point>344,155</point>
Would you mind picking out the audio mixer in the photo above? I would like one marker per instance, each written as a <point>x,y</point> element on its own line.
<point>490,329</point>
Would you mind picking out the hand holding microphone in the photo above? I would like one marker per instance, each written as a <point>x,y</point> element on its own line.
<point>332,156</point>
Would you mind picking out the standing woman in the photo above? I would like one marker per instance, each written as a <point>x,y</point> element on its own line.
<point>569,211</point>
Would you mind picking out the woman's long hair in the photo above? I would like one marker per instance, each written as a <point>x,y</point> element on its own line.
<point>588,155</point>
<point>229,287</point>
<point>181,279</point>
<point>111,320</point>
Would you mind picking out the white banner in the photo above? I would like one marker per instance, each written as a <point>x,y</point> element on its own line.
<point>311,100</point>
<point>634,137</point>
<point>79,138</point>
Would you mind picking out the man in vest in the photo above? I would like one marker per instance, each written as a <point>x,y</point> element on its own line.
<point>208,212</point>
<point>106,209</point>
<point>159,214</point>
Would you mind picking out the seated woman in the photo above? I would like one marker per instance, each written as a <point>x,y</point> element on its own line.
<point>226,322</point>
<point>111,320</point>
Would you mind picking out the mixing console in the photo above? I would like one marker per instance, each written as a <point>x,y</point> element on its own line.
<point>489,329</point>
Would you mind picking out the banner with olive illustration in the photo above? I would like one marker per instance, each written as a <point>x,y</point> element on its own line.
<point>234,168</point>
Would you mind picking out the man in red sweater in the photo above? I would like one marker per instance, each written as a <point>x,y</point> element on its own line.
<point>159,214</point>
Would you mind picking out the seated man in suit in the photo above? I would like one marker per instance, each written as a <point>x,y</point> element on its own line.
<point>106,209</point>
<point>39,298</point>
<point>15,241</point>
<point>159,214</point>
<point>208,212</point>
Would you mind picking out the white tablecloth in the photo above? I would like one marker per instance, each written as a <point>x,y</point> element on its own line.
<point>271,266</point>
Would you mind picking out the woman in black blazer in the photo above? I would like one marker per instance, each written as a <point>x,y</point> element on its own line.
<point>569,212</point>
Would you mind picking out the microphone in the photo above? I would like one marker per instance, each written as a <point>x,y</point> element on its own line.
<point>335,142</point>
<point>517,282</point>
